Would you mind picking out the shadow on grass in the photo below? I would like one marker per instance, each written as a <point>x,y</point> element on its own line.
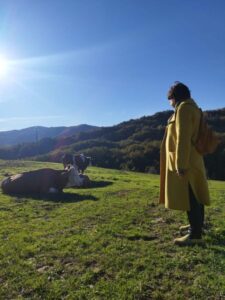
<point>59,198</point>
<point>142,237</point>
<point>218,240</point>
<point>99,184</point>
<point>136,237</point>
<point>217,251</point>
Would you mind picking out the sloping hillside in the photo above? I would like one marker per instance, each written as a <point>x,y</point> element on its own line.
<point>132,145</point>
<point>36,133</point>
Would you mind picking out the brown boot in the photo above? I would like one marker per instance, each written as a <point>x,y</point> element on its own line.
<point>185,228</point>
<point>188,241</point>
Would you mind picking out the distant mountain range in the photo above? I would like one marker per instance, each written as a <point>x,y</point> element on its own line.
<point>36,133</point>
<point>131,145</point>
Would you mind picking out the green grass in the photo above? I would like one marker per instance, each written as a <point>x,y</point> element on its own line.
<point>111,241</point>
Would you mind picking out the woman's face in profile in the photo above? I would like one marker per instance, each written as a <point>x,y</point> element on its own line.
<point>172,102</point>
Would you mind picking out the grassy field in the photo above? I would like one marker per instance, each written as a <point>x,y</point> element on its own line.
<point>110,241</point>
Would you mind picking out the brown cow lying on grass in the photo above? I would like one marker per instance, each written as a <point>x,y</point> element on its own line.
<point>38,181</point>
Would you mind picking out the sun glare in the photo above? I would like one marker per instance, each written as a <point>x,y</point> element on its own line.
<point>4,66</point>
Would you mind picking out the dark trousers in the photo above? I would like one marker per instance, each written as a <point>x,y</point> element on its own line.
<point>195,216</point>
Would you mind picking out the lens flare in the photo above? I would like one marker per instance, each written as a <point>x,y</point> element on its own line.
<point>4,66</point>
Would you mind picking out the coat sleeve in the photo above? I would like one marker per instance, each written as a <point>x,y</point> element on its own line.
<point>184,130</point>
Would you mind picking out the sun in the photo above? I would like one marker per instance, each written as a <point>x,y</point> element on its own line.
<point>4,66</point>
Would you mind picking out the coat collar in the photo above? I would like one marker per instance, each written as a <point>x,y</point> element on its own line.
<point>188,101</point>
<point>173,117</point>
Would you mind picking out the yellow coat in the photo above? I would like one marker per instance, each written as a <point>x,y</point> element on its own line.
<point>178,152</point>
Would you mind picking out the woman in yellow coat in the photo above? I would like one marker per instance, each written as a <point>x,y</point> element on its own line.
<point>183,184</point>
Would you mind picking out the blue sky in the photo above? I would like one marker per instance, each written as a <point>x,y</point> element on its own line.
<point>101,62</point>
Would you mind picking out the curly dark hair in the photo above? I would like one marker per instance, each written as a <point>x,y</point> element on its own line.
<point>179,92</point>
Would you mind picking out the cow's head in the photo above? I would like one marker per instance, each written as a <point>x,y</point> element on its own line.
<point>67,159</point>
<point>82,159</point>
<point>74,176</point>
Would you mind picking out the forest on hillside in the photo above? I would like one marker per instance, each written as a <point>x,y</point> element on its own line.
<point>132,145</point>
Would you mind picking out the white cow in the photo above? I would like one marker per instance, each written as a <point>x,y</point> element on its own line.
<point>75,178</point>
